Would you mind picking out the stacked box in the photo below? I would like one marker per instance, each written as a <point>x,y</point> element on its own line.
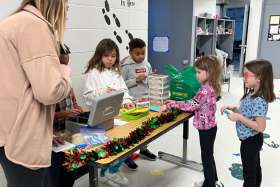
<point>158,88</point>
<point>142,102</point>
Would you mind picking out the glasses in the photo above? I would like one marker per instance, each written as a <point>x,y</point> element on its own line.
<point>247,74</point>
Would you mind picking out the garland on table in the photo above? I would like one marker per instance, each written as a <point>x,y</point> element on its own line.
<point>77,157</point>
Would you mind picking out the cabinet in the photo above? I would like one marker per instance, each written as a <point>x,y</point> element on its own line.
<point>213,33</point>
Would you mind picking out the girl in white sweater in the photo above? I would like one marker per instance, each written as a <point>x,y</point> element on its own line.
<point>103,76</point>
<point>103,73</point>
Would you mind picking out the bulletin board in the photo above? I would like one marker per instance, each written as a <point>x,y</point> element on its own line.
<point>274,28</point>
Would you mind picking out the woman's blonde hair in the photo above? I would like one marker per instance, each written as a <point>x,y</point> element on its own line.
<point>212,66</point>
<point>54,11</point>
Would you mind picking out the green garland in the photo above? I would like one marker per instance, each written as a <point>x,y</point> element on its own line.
<point>77,157</point>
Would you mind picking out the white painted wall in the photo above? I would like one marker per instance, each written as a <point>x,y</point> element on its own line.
<point>86,26</point>
<point>254,29</point>
<point>7,7</point>
<point>202,6</point>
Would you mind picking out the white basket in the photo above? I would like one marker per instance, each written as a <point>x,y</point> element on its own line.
<point>158,85</point>
<point>158,100</point>
<point>145,104</point>
<point>159,90</point>
<point>159,95</point>
<point>156,79</point>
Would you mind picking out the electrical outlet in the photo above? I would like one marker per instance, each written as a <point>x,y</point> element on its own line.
<point>185,62</point>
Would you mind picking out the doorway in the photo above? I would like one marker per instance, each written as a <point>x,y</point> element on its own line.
<point>241,16</point>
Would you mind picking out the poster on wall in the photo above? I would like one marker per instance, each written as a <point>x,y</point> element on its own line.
<point>160,44</point>
<point>274,28</point>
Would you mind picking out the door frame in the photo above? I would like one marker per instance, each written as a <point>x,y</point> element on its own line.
<point>260,30</point>
<point>244,38</point>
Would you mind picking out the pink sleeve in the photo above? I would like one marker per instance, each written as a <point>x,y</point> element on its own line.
<point>190,105</point>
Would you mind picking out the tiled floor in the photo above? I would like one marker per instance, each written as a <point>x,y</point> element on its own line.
<point>226,152</point>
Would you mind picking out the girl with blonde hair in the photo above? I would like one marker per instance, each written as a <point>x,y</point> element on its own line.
<point>32,82</point>
<point>208,73</point>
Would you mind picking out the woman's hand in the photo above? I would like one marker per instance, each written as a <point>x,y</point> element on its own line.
<point>66,114</point>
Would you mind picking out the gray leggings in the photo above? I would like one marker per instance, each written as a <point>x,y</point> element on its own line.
<point>20,176</point>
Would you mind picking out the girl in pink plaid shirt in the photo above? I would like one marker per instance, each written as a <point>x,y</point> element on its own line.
<point>208,73</point>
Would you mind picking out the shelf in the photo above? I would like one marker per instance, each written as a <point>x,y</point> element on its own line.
<point>224,34</point>
<point>212,33</point>
<point>209,34</point>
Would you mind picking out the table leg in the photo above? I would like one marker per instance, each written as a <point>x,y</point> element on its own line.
<point>93,175</point>
<point>182,161</point>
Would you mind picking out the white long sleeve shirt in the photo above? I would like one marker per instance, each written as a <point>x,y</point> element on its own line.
<point>96,84</point>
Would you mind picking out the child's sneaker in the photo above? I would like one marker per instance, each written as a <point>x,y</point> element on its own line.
<point>114,179</point>
<point>198,184</point>
<point>148,155</point>
<point>131,164</point>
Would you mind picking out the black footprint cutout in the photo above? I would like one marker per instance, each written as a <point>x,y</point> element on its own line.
<point>118,37</point>
<point>129,34</point>
<point>107,7</point>
<point>117,20</point>
<point>107,19</point>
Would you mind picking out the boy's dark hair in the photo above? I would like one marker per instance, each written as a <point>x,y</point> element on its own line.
<point>64,49</point>
<point>104,47</point>
<point>136,43</point>
<point>263,71</point>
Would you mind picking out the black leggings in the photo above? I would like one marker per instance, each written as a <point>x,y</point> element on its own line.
<point>250,156</point>
<point>58,176</point>
<point>19,176</point>
<point>207,139</point>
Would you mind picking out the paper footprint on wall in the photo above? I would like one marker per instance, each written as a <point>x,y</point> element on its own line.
<point>236,171</point>
<point>117,21</point>
<point>130,36</point>
<point>106,17</point>
<point>106,10</point>
<point>107,6</point>
<point>118,37</point>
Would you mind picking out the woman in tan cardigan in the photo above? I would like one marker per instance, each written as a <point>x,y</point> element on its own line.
<point>32,81</point>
